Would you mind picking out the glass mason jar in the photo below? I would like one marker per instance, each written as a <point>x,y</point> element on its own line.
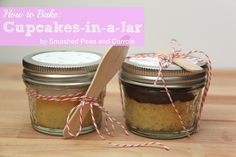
<point>57,73</point>
<point>148,110</point>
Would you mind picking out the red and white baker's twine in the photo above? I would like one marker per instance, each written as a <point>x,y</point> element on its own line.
<point>82,100</point>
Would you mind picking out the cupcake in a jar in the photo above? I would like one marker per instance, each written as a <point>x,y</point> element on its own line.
<point>149,111</point>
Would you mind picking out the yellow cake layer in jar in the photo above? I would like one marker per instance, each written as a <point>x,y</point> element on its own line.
<point>159,117</point>
<point>53,114</point>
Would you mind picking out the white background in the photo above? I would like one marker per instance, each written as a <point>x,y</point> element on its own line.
<point>208,25</point>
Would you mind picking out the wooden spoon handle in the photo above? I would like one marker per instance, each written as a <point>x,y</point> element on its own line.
<point>109,66</point>
<point>187,65</point>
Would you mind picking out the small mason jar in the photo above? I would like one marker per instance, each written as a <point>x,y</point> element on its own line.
<point>57,73</point>
<point>148,110</point>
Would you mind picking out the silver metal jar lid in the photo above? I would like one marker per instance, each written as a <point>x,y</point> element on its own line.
<point>61,68</point>
<point>144,70</point>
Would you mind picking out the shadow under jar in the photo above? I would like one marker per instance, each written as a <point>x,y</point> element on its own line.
<point>57,73</point>
<point>148,110</point>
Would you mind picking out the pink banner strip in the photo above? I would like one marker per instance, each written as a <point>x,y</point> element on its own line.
<point>71,26</point>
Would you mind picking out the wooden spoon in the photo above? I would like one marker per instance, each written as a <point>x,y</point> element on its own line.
<point>108,67</point>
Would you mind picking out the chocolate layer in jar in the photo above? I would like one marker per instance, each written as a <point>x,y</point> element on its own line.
<point>156,95</point>
<point>148,109</point>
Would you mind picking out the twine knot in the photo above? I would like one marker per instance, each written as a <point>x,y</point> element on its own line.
<point>88,99</point>
<point>165,60</point>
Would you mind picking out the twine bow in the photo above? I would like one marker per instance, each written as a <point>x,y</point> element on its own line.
<point>93,102</point>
